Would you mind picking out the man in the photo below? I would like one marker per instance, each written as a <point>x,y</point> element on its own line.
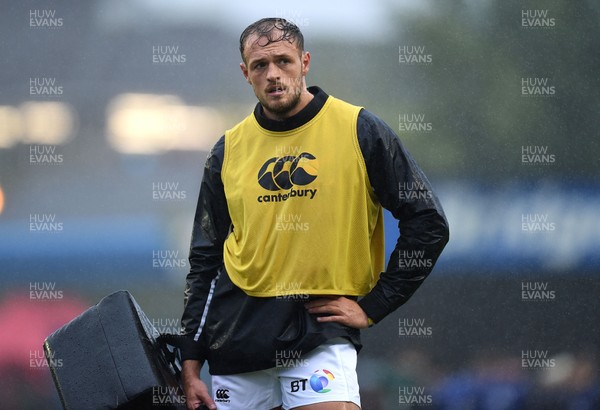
<point>288,235</point>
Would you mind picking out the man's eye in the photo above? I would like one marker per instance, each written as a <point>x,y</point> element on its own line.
<point>259,65</point>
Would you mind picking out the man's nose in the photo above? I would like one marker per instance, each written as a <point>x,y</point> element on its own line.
<point>273,72</point>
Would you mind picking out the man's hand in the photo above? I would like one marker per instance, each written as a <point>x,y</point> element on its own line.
<point>338,309</point>
<point>196,392</point>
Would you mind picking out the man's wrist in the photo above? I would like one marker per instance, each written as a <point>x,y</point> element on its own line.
<point>190,369</point>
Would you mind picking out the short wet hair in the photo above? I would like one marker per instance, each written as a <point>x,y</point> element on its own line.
<point>273,29</point>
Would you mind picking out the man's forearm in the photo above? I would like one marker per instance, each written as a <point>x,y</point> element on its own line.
<point>190,370</point>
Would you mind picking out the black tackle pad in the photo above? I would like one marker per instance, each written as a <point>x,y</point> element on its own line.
<point>108,358</point>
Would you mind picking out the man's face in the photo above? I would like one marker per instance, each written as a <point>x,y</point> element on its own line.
<point>276,73</point>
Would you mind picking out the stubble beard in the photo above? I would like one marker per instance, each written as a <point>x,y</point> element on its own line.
<point>282,108</point>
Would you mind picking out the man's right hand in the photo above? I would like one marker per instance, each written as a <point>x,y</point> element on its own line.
<point>196,391</point>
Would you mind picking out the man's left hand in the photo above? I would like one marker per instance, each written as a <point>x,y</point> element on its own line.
<point>338,309</point>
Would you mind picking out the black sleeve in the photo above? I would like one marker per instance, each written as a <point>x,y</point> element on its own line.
<point>211,227</point>
<point>402,188</point>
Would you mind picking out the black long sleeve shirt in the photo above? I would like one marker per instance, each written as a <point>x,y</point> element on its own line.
<point>399,185</point>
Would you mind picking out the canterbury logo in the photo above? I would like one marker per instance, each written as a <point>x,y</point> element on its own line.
<point>282,173</point>
<point>222,394</point>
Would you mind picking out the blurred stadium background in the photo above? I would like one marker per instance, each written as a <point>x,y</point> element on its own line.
<point>108,109</point>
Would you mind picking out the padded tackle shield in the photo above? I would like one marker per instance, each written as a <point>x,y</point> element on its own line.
<point>109,358</point>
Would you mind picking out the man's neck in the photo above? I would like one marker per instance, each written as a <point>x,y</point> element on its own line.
<point>305,114</point>
<point>305,98</point>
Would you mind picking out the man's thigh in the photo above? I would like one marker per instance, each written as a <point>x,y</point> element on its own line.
<point>324,379</point>
<point>331,405</point>
<point>253,391</point>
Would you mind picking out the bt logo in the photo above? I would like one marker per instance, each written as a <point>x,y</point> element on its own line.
<point>320,379</point>
<point>318,382</point>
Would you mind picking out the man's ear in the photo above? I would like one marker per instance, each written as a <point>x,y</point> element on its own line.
<point>305,62</point>
<point>245,71</point>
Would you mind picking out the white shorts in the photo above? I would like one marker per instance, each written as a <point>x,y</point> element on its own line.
<point>328,373</point>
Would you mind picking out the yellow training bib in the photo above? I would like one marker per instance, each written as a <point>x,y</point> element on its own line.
<point>304,216</point>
